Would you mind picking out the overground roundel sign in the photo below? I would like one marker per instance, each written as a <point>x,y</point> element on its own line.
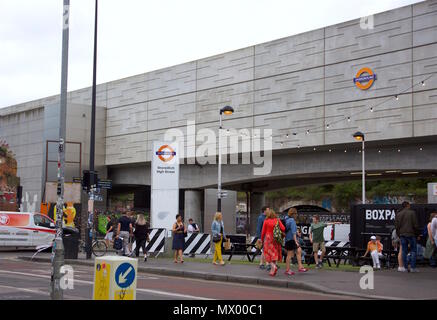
<point>364,78</point>
<point>165,153</point>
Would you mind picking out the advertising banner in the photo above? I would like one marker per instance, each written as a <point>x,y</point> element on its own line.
<point>165,185</point>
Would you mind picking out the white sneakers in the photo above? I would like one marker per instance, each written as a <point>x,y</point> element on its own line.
<point>402,269</point>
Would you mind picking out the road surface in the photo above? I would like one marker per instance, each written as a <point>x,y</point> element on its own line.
<point>30,280</point>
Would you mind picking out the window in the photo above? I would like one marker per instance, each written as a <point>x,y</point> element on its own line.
<point>42,221</point>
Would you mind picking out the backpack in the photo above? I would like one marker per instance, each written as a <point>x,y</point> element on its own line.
<point>277,233</point>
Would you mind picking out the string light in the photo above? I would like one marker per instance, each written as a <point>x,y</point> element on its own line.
<point>372,109</point>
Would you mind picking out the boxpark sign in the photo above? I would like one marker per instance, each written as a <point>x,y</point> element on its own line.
<point>364,78</point>
<point>379,219</point>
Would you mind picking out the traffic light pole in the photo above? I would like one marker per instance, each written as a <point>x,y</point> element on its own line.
<point>93,176</point>
<point>56,292</point>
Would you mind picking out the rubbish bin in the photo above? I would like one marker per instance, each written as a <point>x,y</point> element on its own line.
<point>71,242</point>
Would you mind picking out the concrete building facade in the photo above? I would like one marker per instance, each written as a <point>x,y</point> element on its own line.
<point>302,87</point>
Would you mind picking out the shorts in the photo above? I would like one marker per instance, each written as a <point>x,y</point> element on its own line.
<point>109,236</point>
<point>317,245</point>
<point>290,245</point>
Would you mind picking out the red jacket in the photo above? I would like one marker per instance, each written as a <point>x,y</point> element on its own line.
<point>269,225</point>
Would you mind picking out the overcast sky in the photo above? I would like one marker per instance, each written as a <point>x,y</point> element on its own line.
<point>136,36</point>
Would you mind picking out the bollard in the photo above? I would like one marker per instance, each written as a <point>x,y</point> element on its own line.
<point>115,278</point>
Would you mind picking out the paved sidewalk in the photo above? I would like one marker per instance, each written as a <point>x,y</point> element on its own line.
<point>389,284</point>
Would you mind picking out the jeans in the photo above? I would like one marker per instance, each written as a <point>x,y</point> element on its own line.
<point>375,258</point>
<point>140,243</point>
<point>125,236</point>
<point>413,250</point>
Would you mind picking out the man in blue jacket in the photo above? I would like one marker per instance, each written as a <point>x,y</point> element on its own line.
<point>259,228</point>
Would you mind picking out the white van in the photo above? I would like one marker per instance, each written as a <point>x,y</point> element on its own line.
<point>25,229</point>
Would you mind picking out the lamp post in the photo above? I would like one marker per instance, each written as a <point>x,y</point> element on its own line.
<point>359,136</point>
<point>226,110</point>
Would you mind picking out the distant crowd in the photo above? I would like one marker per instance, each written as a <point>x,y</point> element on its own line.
<point>275,234</point>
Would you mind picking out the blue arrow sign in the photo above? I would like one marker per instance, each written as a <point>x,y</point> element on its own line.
<point>125,275</point>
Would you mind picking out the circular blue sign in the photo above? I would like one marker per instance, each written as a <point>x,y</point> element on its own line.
<point>125,275</point>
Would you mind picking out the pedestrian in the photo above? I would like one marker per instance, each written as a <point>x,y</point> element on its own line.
<point>218,236</point>
<point>178,238</point>
<point>396,242</point>
<point>374,246</point>
<point>192,228</point>
<point>301,244</point>
<point>318,240</point>
<point>132,217</point>
<point>271,236</point>
<point>124,231</point>
<point>109,230</point>
<point>431,247</point>
<point>407,228</point>
<point>259,227</point>
<point>141,234</point>
<point>291,243</point>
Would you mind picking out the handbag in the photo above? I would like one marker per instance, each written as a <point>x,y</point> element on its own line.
<point>227,244</point>
<point>118,244</point>
<point>277,233</point>
<point>216,238</point>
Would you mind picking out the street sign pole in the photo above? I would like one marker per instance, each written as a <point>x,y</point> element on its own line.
<point>93,175</point>
<point>56,292</point>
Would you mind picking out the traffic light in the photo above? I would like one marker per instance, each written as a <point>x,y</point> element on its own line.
<point>90,179</point>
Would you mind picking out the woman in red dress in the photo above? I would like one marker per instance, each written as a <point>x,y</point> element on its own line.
<point>272,249</point>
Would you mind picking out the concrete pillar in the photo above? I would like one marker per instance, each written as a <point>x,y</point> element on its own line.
<point>257,201</point>
<point>193,207</point>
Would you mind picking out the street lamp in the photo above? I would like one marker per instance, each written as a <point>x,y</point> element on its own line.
<point>359,136</point>
<point>226,110</point>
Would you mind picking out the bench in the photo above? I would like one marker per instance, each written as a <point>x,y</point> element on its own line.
<point>334,253</point>
<point>240,247</point>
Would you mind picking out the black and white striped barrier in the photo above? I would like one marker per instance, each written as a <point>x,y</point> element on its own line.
<point>338,244</point>
<point>156,243</point>
<point>198,243</point>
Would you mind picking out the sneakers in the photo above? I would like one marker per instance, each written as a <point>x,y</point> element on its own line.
<point>145,259</point>
<point>262,267</point>
<point>319,265</point>
<point>289,273</point>
<point>414,270</point>
<point>268,267</point>
<point>302,270</point>
<point>402,269</point>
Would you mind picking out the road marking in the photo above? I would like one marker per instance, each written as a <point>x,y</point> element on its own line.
<point>158,292</point>
<point>25,290</point>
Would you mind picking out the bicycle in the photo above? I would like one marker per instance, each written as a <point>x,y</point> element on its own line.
<point>98,247</point>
